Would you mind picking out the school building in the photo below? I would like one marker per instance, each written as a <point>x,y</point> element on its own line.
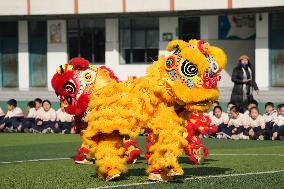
<point>127,35</point>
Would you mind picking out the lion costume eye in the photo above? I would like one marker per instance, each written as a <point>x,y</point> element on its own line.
<point>187,69</point>
<point>70,87</point>
<point>171,62</point>
<point>88,76</point>
<point>214,66</point>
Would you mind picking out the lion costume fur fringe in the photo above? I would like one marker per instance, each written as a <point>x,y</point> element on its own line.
<point>123,108</point>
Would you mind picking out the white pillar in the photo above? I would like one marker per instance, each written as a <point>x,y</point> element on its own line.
<point>23,56</point>
<point>56,47</point>
<point>262,50</point>
<point>112,43</point>
<point>167,25</point>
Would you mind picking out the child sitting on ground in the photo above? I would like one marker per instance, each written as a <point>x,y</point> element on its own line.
<point>64,120</point>
<point>229,106</point>
<point>46,119</point>
<point>255,124</point>
<point>278,127</point>
<point>270,117</point>
<point>29,120</point>
<point>236,124</point>
<point>251,104</point>
<point>13,118</point>
<point>220,119</point>
<point>215,103</point>
<point>38,105</point>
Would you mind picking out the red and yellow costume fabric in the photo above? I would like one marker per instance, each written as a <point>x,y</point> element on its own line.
<point>118,110</point>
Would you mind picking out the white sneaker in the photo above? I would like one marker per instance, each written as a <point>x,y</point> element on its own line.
<point>225,136</point>
<point>112,177</point>
<point>156,177</point>
<point>219,136</point>
<point>44,131</point>
<point>19,128</point>
<point>85,161</point>
<point>235,137</point>
<point>245,137</point>
<point>261,137</point>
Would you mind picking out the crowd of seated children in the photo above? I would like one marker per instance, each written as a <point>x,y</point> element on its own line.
<point>238,123</point>
<point>40,118</point>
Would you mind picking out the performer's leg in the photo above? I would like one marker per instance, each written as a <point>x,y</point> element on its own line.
<point>109,156</point>
<point>167,128</point>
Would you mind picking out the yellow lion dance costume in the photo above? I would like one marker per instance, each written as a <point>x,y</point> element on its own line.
<point>188,77</point>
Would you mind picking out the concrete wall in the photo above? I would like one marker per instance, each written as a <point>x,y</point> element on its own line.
<point>59,7</point>
<point>258,3</point>
<point>14,7</point>
<point>146,5</point>
<point>200,5</point>
<point>23,60</point>
<point>262,51</point>
<point>45,7</point>
<point>99,6</point>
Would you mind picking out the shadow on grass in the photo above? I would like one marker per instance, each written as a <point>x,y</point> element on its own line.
<point>204,171</point>
<point>188,172</point>
<point>186,160</point>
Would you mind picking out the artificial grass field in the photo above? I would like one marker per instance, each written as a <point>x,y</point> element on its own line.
<point>222,169</point>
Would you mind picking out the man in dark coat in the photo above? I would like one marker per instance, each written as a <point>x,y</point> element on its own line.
<point>244,82</point>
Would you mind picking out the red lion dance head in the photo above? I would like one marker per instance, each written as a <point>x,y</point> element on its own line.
<point>74,82</point>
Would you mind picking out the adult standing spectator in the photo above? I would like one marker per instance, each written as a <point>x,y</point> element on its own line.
<point>244,82</point>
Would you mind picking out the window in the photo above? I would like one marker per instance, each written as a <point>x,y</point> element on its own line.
<point>139,40</point>
<point>189,28</point>
<point>86,38</point>
<point>38,53</point>
<point>276,49</point>
<point>9,54</point>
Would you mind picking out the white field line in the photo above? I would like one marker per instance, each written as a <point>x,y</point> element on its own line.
<point>33,160</point>
<point>192,178</point>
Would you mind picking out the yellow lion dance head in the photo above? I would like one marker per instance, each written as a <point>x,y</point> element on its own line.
<point>197,65</point>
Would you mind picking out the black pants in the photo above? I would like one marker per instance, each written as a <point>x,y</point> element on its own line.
<point>28,123</point>
<point>1,119</point>
<point>225,129</point>
<point>64,125</point>
<point>278,129</point>
<point>240,129</point>
<point>46,125</point>
<point>12,122</point>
